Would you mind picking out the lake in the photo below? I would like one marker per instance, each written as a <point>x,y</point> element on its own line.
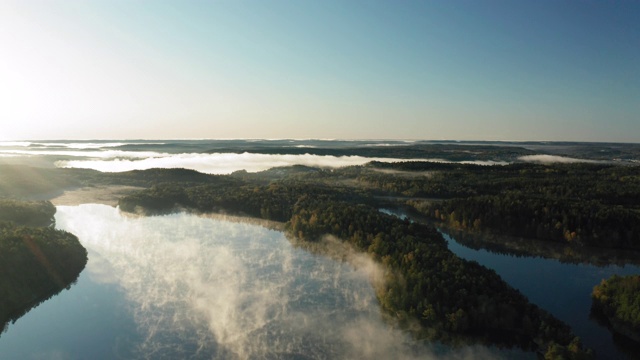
<point>184,286</point>
<point>560,288</point>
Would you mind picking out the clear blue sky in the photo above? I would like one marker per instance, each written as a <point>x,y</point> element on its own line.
<point>494,70</point>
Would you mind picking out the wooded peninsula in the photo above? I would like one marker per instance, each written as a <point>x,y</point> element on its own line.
<point>36,260</point>
<point>617,300</point>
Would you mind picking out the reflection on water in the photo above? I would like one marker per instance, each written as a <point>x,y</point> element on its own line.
<point>564,253</point>
<point>182,286</point>
<point>560,288</point>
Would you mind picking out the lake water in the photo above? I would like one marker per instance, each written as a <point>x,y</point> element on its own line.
<point>183,286</point>
<point>562,289</point>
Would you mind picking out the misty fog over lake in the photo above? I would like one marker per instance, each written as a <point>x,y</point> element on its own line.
<point>183,286</point>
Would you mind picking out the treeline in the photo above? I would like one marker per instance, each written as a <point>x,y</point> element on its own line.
<point>33,213</point>
<point>450,152</point>
<point>568,221</point>
<point>451,298</point>
<point>587,204</point>
<point>35,262</point>
<point>606,184</point>
<point>271,202</point>
<point>618,300</point>
<point>21,182</point>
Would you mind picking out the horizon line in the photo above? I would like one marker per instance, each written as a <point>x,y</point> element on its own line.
<point>408,141</point>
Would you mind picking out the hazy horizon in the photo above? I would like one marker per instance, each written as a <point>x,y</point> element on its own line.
<point>408,141</point>
<point>229,156</point>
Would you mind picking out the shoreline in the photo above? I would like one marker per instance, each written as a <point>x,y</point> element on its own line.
<point>102,194</point>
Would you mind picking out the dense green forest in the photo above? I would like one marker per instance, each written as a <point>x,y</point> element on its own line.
<point>454,300</point>
<point>36,262</point>
<point>33,213</point>
<point>618,300</point>
<point>582,204</point>
<point>574,204</point>
<point>578,205</point>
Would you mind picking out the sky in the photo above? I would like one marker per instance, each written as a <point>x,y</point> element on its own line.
<point>345,69</point>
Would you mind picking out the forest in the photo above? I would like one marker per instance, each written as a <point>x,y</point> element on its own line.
<point>36,260</point>
<point>37,213</point>
<point>617,300</point>
<point>583,204</point>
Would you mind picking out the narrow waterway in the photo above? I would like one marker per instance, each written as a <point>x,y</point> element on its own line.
<point>560,288</point>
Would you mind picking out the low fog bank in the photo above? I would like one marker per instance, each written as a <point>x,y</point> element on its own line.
<point>205,288</point>
<point>267,224</point>
<point>221,163</point>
